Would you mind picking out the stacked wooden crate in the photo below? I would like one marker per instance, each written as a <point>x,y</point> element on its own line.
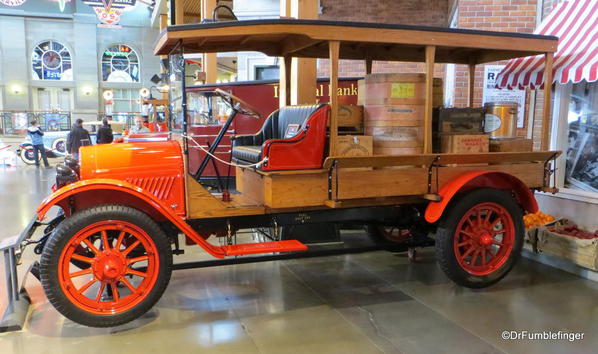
<point>459,130</point>
<point>394,111</point>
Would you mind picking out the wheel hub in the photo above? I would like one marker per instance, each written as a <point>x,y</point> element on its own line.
<point>109,266</point>
<point>485,239</point>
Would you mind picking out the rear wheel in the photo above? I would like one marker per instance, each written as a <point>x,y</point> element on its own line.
<point>479,239</point>
<point>106,265</point>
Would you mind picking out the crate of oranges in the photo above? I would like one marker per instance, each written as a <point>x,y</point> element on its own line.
<point>533,222</point>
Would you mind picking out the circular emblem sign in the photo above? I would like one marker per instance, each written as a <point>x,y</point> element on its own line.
<point>12,2</point>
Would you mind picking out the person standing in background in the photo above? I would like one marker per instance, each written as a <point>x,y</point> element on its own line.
<point>37,140</point>
<point>77,137</point>
<point>104,135</point>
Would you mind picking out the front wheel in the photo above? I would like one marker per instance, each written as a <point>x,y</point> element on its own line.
<point>28,155</point>
<point>106,265</point>
<point>479,239</point>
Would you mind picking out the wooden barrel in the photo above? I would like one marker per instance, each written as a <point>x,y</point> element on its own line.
<point>394,106</point>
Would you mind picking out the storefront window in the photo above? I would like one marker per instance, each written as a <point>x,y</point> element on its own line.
<point>581,170</point>
<point>51,60</point>
<point>120,63</point>
<point>126,101</point>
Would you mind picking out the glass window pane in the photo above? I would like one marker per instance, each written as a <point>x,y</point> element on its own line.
<point>581,171</point>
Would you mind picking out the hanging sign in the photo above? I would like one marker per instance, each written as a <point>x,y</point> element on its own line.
<point>491,94</point>
<point>62,4</point>
<point>109,11</point>
<point>13,3</point>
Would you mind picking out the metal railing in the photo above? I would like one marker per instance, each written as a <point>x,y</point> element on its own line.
<point>17,122</point>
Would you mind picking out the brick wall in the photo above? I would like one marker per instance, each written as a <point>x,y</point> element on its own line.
<point>491,15</point>
<point>409,12</point>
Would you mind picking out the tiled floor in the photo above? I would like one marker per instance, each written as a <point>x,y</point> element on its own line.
<point>361,303</point>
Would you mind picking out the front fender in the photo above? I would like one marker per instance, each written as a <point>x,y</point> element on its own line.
<point>479,179</point>
<point>136,197</point>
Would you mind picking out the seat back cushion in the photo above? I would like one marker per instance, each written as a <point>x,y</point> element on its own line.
<point>292,119</point>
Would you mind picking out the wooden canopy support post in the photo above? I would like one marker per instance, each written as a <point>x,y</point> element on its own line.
<point>368,66</point>
<point>471,85</point>
<point>284,98</point>
<point>430,53</point>
<point>163,26</point>
<point>334,48</point>
<point>210,60</point>
<point>547,101</point>
<point>179,12</point>
<point>302,87</point>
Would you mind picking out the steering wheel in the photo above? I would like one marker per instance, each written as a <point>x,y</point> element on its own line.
<point>245,108</point>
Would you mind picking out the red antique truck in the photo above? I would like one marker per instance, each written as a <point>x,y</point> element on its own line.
<point>106,258</point>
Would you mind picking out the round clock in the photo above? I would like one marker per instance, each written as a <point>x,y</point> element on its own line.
<point>51,59</point>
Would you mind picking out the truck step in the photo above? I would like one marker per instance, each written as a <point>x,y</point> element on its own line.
<point>264,247</point>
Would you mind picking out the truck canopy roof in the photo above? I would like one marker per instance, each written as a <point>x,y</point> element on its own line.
<point>358,40</point>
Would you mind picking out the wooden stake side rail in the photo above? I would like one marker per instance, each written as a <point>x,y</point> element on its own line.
<point>442,159</point>
<point>356,181</point>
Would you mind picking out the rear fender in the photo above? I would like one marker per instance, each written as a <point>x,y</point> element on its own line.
<point>481,179</point>
<point>88,193</point>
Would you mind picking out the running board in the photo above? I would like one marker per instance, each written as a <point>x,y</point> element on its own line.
<point>264,247</point>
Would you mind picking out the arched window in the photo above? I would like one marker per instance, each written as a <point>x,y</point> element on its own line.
<point>51,60</point>
<point>120,63</point>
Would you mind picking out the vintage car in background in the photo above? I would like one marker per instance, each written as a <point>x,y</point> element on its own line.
<point>55,141</point>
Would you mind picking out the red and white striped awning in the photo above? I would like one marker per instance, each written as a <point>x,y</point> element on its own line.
<point>575,22</point>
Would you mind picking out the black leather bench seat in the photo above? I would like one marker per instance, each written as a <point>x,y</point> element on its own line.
<point>249,153</point>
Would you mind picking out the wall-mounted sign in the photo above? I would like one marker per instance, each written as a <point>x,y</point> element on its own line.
<point>495,95</point>
<point>12,2</point>
<point>109,11</point>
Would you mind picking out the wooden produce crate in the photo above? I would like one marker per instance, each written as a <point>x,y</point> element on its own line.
<point>354,145</point>
<point>461,143</point>
<point>583,252</point>
<point>511,145</point>
<point>530,242</point>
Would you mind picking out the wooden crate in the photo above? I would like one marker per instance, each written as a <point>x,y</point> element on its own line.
<point>350,116</point>
<point>511,145</point>
<point>462,143</point>
<point>458,120</point>
<point>399,88</point>
<point>402,115</point>
<point>583,252</point>
<point>354,145</point>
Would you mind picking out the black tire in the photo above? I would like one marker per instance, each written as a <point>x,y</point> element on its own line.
<point>70,227</point>
<point>379,234</point>
<point>445,248</point>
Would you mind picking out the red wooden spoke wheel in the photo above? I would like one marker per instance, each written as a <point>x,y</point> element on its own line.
<point>479,238</point>
<point>106,265</point>
<point>110,285</point>
<point>484,238</point>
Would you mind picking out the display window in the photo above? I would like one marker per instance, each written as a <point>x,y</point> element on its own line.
<point>120,63</point>
<point>581,171</point>
<point>126,101</point>
<point>51,60</point>
<point>576,134</point>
